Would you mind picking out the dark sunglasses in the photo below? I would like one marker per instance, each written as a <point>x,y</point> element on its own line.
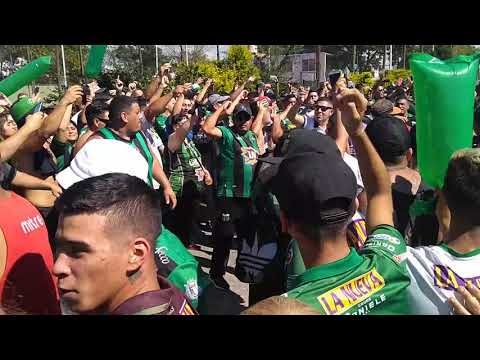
<point>324,108</point>
<point>103,120</point>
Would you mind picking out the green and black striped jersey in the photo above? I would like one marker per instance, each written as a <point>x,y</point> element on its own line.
<point>238,157</point>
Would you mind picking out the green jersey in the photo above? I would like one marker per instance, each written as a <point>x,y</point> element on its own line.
<point>175,263</point>
<point>238,156</point>
<point>185,166</point>
<point>161,127</point>
<point>83,131</point>
<point>370,281</point>
<point>63,153</point>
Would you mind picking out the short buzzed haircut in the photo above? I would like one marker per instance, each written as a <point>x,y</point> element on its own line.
<point>280,305</point>
<point>126,201</point>
<point>462,183</point>
<point>120,104</point>
<point>326,99</point>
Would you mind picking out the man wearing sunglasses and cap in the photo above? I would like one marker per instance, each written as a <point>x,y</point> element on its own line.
<point>238,156</point>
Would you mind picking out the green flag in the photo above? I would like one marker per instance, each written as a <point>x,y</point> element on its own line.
<point>25,75</point>
<point>95,60</point>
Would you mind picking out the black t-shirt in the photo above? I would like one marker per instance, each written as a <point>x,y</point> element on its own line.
<point>7,174</point>
<point>402,199</point>
<point>420,230</point>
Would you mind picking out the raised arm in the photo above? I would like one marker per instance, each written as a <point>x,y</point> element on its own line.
<point>10,146</point>
<point>239,90</point>
<point>298,120</point>
<point>277,130</point>
<point>257,125</point>
<point>153,86</point>
<point>339,134</point>
<point>157,107</point>
<point>176,139</point>
<point>209,126</point>
<point>53,121</point>
<point>203,92</point>
<point>352,105</point>
<point>231,107</point>
<point>159,175</point>
<point>63,125</point>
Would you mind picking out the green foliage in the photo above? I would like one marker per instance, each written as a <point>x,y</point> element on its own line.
<point>53,98</point>
<point>362,79</point>
<point>447,51</point>
<point>394,75</point>
<point>240,60</point>
<point>237,67</point>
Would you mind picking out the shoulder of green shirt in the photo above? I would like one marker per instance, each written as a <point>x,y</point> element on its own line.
<point>387,240</point>
<point>227,136</point>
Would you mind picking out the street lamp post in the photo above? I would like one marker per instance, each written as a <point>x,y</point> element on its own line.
<point>64,68</point>
<point>156,57</point>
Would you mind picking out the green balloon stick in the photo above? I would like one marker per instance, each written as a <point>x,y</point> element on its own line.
<point>95,60</point>
<point>25,75</point>
<point>445,95</point>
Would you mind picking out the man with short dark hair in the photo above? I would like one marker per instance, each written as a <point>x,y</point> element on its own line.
<point>105,240</point>
<point>319,121</point>
<point>97,118</point>
<point>238,156</point>
<point>316,193</point>
<point>438,271</point>
<point>392,142</point>
<point>124,125</point>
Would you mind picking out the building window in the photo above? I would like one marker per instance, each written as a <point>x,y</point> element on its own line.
<point>308,65</point>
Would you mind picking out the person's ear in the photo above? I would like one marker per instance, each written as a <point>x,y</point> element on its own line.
<point>124,117</point>
<point>138,252</point>
<point>96,122</point>
<point>409,154</point>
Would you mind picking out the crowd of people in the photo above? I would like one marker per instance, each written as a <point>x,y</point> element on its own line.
<point>105,195</point>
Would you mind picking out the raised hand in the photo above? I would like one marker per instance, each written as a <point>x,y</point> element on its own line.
<point>35,121</point>
<point>71,95</point>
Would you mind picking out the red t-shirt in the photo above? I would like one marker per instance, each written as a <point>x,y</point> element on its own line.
<point>27,283</point>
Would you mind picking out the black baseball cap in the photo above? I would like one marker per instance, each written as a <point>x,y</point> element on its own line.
<point>242,112</point>
<point>390,137</point>
<point>300,141</point>
<point>296,141</point>
<point>315,188</point>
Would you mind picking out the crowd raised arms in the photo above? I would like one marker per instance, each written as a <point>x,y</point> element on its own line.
<point>122,190</point>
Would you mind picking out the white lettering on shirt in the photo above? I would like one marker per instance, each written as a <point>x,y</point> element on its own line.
<point>29,224</point>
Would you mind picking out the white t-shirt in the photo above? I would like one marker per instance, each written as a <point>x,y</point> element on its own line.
<point>435,272</point>
<point>352,163</point>
<point>154,141</point>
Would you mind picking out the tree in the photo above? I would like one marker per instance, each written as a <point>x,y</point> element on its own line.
<point>236,68</point>
<point>447,51</point>
<point>196,53</point>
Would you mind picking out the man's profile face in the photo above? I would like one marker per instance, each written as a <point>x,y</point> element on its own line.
<point>90,264</point>
<point>133,118</point>
<point>323,111</point>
